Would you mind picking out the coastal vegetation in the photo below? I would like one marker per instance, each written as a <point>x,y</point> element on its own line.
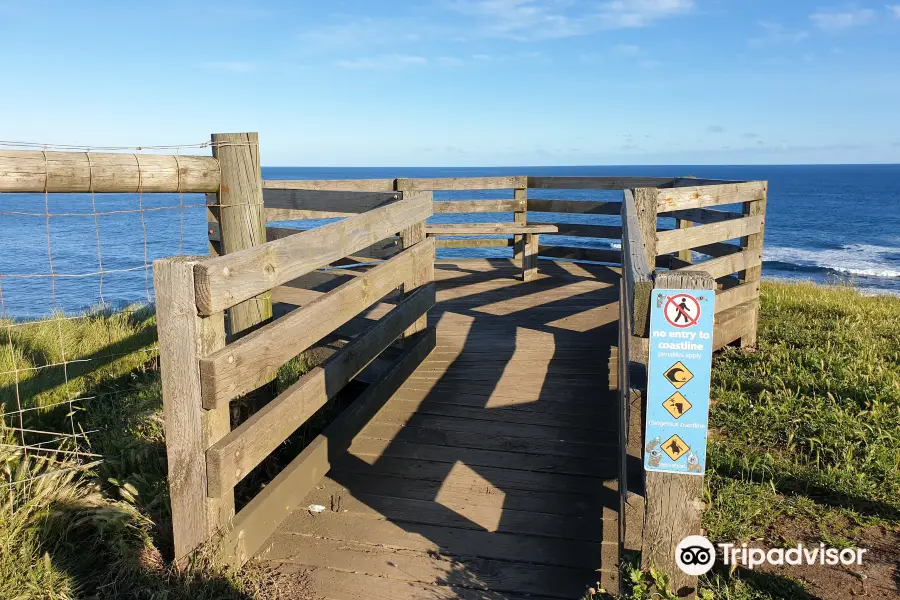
<point>805,441</point>
<point>805,447</point>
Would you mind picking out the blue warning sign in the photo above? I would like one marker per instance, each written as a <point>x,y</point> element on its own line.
<point>681,344</point>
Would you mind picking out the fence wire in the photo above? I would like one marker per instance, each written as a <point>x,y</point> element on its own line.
<point>76,309</point>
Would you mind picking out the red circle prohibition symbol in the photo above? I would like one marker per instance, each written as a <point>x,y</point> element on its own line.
<point>681,312</point>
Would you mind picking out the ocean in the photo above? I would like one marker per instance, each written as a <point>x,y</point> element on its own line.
<point>825,223</point>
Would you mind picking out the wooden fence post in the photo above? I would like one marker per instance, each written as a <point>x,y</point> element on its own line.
<point>686,255</point>
<point>754,274</point>
<point>673,501</point>
<point>241,214</point>
<point>422,273</point>
<point>519,241</point>
<point>185,338</point>
<point>638,348</point>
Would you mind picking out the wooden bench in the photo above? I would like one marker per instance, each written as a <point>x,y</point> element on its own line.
<point>530,234</point>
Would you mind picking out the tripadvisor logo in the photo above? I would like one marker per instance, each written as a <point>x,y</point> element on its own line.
<point>695,555</point>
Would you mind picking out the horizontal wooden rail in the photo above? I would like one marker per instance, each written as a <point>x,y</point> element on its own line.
<point>380,249</point>
<point>498,228</point>
<point>290,214</point>
<point>592,231</point>
<point>694,182</point>
<point>253,526</point>
<point>329,201</point>
<point>703,215</point>
<point>478,206</point>
<point>734,323</point>
<point>596,183</point>
<point>574,206</point>
<point>227,280</point>
<point>235,455</point>
<point>461,183</point>
<point>674,240</point>
<point>73,172</point>
<point>340,185</point>
<point>739,294</point>
<point>252,360</point>
<point>473,242</point>
<point>573,253</point>
<point>710,195</point>
<point>726,265</point>
<point>717,249</point>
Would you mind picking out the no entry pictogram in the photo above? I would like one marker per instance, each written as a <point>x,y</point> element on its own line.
<point>682,310</point>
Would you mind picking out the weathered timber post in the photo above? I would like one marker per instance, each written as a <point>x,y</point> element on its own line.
<point>422,272</point>
<point>673,501</point>
<point>645,200</point>
<point>520,215</point>
<point>530,258</point>
<point>685,255</point>
<point>241,215</point>
<point>753,275</point>
<point>185,338</point>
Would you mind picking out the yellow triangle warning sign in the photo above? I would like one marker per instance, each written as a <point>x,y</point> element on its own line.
<point>677,405</point>
<point>678,375</point>
<point>675,447</point>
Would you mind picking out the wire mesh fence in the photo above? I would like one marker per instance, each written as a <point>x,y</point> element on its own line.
<point>77,327</point>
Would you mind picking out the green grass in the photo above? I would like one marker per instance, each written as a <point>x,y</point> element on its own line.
<point>805,433</point>
<point>106,532</point>
<point>808,427</point>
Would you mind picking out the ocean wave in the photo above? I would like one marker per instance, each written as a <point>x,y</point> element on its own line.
<point>859,260</point>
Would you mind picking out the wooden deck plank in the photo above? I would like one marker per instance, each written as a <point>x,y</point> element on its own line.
<point>462,439</point>
<point>372,449</point>
<point>490,471</point>
<point>437,570</point>
<point>302,527</point>
<point>474,497</point>
<point>434,512</point>
<point>331,584</point>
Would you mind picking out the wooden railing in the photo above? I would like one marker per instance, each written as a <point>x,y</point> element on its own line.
<point>667,505</point>
<point>202,374</point>
<point>295,200</point>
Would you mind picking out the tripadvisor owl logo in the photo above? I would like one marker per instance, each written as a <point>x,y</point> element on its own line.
<point>695,555</point>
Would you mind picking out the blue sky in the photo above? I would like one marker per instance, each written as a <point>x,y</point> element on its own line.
<point>462,82</point>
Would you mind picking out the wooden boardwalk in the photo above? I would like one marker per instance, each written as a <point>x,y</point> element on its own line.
<point>491,472</point>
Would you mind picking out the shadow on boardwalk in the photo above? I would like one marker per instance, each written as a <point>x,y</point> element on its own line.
<point>492,468</point>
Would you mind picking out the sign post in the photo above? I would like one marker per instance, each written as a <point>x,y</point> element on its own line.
<point>682,316</point>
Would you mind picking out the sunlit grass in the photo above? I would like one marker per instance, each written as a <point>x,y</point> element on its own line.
<point>805,430</point>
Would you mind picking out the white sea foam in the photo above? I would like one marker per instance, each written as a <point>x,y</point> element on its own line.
<point>861,260</point>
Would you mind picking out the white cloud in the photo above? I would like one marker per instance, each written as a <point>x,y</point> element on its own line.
<point>776,34</point>
<point>894,10</point>
<point>840,21</point>
<point>449,61</point>
<point>385,61</point>
<point>231,66</point>
<point>364,32</point>
<point>530,20</point>
<point>627,49</point>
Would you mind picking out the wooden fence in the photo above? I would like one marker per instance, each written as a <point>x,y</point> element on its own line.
<point>208,360</point>
<point>660,509</point>
<point>203,370</point>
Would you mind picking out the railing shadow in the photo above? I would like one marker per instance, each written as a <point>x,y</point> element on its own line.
<point>545,450</point>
